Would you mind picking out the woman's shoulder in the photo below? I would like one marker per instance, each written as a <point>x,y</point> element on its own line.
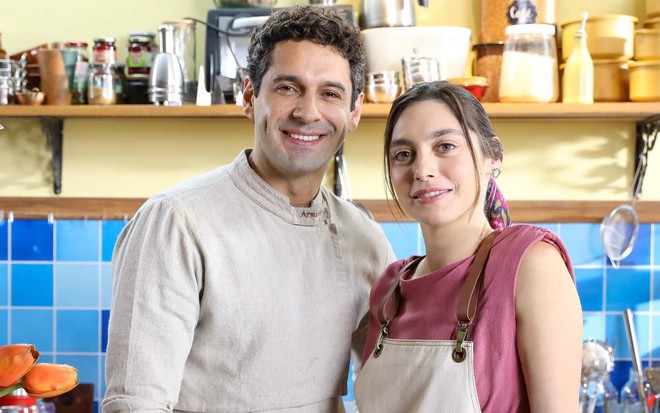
<point>388,276</point>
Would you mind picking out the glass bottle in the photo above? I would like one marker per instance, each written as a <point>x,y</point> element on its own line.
<point>631,402</point>
<point>578,80</point>
<point>529,64</point>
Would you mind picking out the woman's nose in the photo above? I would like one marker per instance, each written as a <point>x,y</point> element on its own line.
<point>307,108</point>
<point>423,170</point>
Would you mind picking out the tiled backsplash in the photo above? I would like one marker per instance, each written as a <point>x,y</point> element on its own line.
<point>55,288</point>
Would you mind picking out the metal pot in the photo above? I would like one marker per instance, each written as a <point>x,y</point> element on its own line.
<point>388,13</point>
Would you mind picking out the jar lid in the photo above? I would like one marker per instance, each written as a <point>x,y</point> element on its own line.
<point>548,29</point>
<point>18,397</point>
<point>145,34</point>
<point>181,22</point>
<point>75,44</point>
<point>104,40</point>
<point>491,44</point>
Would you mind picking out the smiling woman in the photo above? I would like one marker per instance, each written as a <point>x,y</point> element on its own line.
<point>511,290</point>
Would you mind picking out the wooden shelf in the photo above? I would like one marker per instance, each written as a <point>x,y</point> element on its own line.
<point>125,208</point>
<point>626,111</point>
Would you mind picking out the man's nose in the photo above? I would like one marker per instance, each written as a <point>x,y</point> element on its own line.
<point>307,108</point>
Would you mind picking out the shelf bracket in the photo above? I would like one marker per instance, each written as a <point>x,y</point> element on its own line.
<point>53,128</point>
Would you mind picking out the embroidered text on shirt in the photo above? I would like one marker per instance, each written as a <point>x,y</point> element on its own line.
<point>306,214</point>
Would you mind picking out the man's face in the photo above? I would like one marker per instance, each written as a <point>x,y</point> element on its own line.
<point>302,113</point>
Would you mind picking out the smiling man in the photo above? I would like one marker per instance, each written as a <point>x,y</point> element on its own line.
<point>245,289</point>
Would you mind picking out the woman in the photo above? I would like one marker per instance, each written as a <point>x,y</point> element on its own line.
<point>454,331</point>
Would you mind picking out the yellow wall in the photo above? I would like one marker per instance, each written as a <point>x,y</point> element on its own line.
<point>136,158</point>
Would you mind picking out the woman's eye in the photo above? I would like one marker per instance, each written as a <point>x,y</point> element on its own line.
<point>401,156</point>
<point>446,147</point>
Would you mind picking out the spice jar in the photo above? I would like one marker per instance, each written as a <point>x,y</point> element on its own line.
<point>141,52</point>
<point>488,63</point>
<point>105,50</point>
<point>102,84</point>
<point>529,64</point>
<point>80,47</point>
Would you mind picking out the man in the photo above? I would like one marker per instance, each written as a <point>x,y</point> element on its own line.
<point>244,289</point>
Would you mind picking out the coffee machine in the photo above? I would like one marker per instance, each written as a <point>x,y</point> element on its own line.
<point>227,39</point>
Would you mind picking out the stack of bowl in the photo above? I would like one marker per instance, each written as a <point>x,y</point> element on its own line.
<point>645,70</point>
<point>610,40</point>
<point>383,86</point>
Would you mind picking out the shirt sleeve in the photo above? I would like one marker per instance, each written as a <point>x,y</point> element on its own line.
<point>156,272</point>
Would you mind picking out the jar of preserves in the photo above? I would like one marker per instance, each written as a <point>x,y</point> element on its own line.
<point>105,50</point>
<point>101,88</point>
<point>81,48</point>
<point>529,64</point>
<point>141,52</point>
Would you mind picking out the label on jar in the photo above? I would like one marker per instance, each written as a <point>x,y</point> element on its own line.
<point>521,12</point>
<point>105,55</point>
<point>139,58</point>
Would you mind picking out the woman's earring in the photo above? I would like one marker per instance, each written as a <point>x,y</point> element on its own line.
<point>496,172</point>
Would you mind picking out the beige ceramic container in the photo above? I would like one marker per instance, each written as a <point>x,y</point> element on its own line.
<point>653,8</point>
<point>609,36</point>
<point>645,81</point>
<point>653,23</point>
<point>647,44</point>
<point>611,80</point>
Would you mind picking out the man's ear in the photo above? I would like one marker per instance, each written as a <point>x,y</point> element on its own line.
<point>248,98</point>
<point>356,113</point>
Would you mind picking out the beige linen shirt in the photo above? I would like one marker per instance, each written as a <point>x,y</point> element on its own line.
<point>228,299</point>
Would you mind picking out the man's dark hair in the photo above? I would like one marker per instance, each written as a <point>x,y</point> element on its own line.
<point>320,25</point>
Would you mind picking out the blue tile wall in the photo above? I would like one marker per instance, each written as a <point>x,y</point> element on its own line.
<point>56,288</point>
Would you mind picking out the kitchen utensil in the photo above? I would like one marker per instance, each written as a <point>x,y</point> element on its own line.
<point>647,44</point>
<point>488,63</point>
<point>388,13</point>
<point>166,77</point>
<point>634,352</point>
<point>611,80</point>
<point>610,36</point>
<point>183,46</point>
<point>476,85</point>
<point>342,182</point>
<point>203,96</point>
<point>382,87</point>
<point>619,229</point>
<point>53,77</point>
<point>645,81</point>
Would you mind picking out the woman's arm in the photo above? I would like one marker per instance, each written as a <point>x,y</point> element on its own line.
<point>549,319</point>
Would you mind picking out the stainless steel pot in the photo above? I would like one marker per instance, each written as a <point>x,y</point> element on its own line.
<point>388,13</point>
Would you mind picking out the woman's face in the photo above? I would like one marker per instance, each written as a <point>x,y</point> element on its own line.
<point>431,165</point>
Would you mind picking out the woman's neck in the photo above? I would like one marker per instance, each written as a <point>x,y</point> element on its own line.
<point>449,244</point>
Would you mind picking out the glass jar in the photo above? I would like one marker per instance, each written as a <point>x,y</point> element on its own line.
<point>141,52</point>
<point>529,64</point>
<point>81,48</point>
<point>101,89</point>
<point>631,402</point>
<point>105,50</point>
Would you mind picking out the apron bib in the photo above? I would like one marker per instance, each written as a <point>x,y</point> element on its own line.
<point>424,376</point>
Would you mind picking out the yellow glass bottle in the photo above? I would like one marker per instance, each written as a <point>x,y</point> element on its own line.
<point>578,78</point>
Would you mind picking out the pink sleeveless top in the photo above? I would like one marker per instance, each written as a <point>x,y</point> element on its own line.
<point>427,311</point>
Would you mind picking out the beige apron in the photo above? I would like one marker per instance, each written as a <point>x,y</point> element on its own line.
<point>404,376</point>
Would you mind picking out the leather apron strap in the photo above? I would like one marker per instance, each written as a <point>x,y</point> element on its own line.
<point>467,304</point>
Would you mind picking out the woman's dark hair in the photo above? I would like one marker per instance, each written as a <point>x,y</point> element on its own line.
<point>464,106</point>
<point>320,25</point>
